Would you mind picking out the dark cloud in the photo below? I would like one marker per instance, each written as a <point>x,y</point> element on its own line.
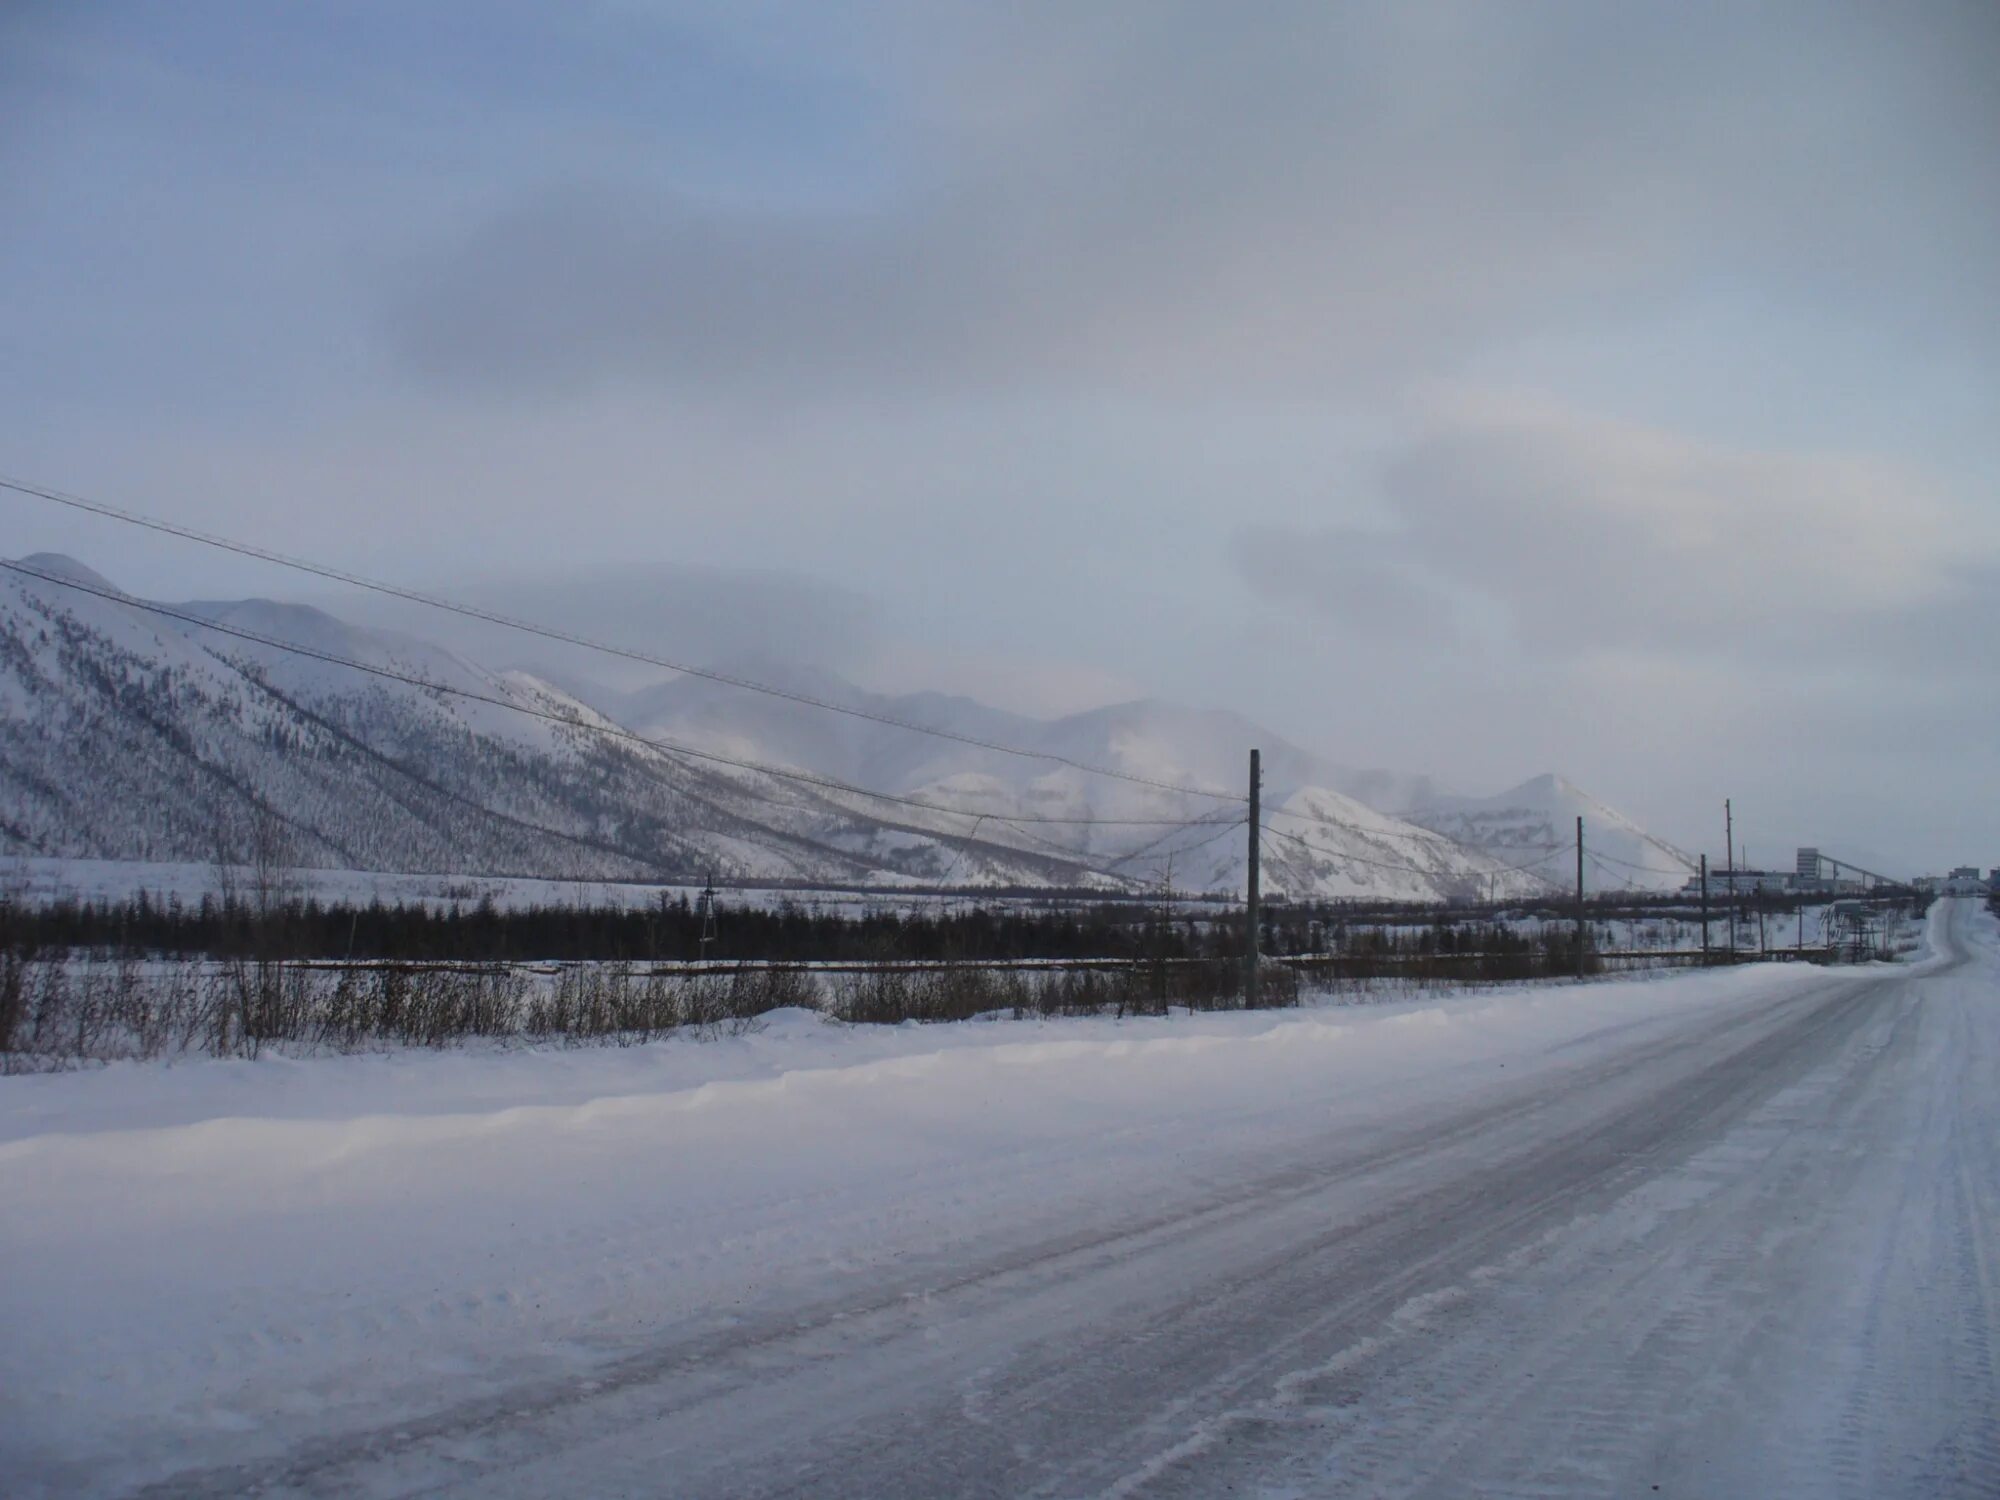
<point>1276,194</point>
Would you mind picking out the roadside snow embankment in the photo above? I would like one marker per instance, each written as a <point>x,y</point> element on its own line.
<point>224,1259</point>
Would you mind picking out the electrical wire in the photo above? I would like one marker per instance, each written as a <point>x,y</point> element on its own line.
<point>609,731</point>
<point>1642,868</point>
<point>1435,836</point>
<point>1170,854</point>
<point>1415,830</point>
<point>321,570</point>
<point>494,617</point>
<point>1340,854</point>
<point>964,848</point>
<point>1605,867</point>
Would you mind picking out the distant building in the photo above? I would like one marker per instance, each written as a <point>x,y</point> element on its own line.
<point>1965,881</point>
<point>1722,882</point>
<point>1808,867</point>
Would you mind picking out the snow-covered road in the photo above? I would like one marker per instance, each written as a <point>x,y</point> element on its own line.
<point>1725,1234</point>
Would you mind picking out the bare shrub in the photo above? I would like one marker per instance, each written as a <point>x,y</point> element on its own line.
<point>71,1010</point>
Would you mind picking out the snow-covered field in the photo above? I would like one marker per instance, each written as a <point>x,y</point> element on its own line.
<point>1080,1257</point>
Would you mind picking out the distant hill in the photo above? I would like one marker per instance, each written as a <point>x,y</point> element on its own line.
<point>128,735</point>
<point>131,735</point>
<point>1535,824</point>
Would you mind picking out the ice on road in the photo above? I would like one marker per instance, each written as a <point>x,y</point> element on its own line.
<point>1731,1233</point>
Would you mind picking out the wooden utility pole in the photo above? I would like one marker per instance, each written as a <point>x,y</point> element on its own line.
<point>707,911</point>
<point>1729,848</point>
<point>1704,909</point>
<point>1579,896</point>
<point>1251,912</point>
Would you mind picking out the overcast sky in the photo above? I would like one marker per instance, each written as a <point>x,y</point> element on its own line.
<point>1473,389</point>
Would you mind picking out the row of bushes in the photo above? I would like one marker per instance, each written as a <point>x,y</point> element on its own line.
<point>291,926</point>
<point>54,1011</point>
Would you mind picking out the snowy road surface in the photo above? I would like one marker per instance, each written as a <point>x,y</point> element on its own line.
<point>1728,1234</point>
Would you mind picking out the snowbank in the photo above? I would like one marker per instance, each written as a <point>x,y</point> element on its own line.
<point>223,1259</point>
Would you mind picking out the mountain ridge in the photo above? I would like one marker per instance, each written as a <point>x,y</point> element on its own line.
<point>133,734</point>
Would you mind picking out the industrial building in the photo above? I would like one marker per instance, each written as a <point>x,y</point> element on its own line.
<point>1813,873</point>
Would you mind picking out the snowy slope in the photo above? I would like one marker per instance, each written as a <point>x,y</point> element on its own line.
<point>1535,823</point>
<point>1147,737</point>
<point>1335,846</point>
<point>1364,851</point>
<point>131,735</point>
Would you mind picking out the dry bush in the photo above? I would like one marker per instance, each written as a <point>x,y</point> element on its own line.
<point>890,996</point>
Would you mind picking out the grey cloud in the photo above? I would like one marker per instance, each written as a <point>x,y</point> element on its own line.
<point>1362,581</point>
<point>1288,194</point>
<point>1585,535</point>
<point>765,622</point>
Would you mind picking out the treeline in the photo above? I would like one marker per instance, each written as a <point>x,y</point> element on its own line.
<point>672,930</point>
<point>668,930</point>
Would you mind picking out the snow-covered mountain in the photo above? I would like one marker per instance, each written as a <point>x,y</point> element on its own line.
<point>1535,825</point>
<point>126,733</point>
<point>1326,839</point>
<point>132,735</point>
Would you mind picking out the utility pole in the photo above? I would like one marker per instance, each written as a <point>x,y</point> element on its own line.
<point>1251,913</point>
<point>1579,896</point>
<point>1729,841</point>
<point>707,911</point>
<point>1704,911</point>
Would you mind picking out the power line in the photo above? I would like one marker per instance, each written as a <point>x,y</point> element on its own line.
<point>1604,865</point>
<point>1415,830</point>
<point>1548,850</point>
<point>964,848</point>
<point>610,731</point>
<point>1419,870</point>
<point>1419,831</point>
<point>493,617</point>
<point>1341,854</point>
<point>251,550</point>
<point>1629,864</point>
<point>1153,848</point>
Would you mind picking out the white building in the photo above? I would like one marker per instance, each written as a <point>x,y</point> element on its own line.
<point>1745,882</point>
